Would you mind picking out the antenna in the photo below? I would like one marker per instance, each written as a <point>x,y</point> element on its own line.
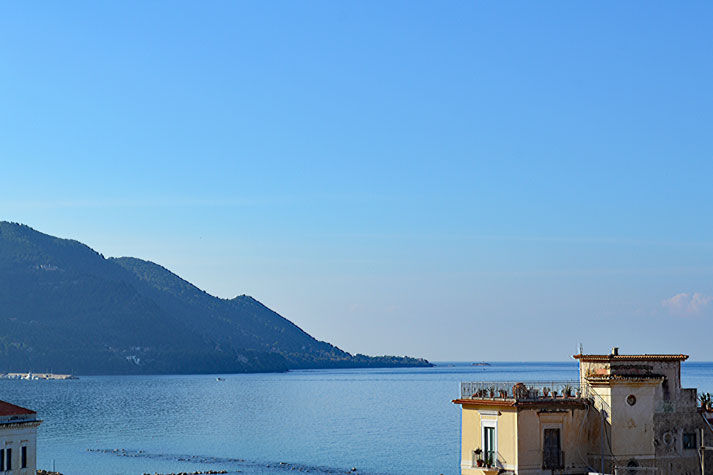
<point>581,348</point>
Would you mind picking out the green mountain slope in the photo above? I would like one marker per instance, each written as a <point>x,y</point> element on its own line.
<point>242,322</point>
<point>65,308</point>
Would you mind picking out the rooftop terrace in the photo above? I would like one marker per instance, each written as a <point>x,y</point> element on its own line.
<point>520,390</point>
<point>532,393</point>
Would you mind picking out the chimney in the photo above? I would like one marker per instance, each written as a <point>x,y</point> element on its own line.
<point>615,351</point>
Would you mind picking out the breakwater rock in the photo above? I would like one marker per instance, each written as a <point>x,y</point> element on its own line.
<point>212,472</point>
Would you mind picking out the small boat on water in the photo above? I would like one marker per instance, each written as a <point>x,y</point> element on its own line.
<point>482,363</point>
<point>219,379</point>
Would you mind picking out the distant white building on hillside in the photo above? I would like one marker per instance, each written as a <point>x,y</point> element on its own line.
<point>18,440</point>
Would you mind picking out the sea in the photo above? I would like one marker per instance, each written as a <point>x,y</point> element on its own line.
<point>364,421</point>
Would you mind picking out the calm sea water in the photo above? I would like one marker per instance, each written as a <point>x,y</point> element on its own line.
<point>391,421</point>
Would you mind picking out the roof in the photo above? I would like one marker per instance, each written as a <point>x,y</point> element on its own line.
<point>643,378</point>
<point>485,402</point>
<point>7,409</point>
<point>528,404</point>
<point>630,357</point>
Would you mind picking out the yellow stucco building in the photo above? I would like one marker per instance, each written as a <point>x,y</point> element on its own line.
<point>627,414</point>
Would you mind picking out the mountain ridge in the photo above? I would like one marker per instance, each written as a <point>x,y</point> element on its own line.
<point>65,307</point>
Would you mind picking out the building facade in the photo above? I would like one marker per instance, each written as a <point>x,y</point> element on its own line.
<point>627,414</point>
<point>18,440</point>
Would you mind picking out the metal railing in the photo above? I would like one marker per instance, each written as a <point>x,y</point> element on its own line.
<point>481,460</point>
<point>552,459</point>
<point>520,390</point>
<point>634,470</point>
<point>599,403</point>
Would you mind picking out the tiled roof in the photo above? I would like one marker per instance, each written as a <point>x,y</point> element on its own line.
<point>624,377</point>
<point>630,357</point>
<point>7,409</point>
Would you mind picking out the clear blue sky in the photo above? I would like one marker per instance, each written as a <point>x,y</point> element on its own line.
<point>454,180</point>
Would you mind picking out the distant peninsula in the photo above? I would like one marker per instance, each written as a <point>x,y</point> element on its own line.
<point>65,308</point>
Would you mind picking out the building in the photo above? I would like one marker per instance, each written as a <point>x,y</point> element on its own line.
<point>18,440</point>
<point>627,414</point>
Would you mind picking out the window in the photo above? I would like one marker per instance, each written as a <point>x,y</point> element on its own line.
<point>631,399</point>
<point>24,456</point>
<point>2,460</point>
<point>8,459</point>
<point>689,440</point>
<point>552,450</point>
<point>489,444</point>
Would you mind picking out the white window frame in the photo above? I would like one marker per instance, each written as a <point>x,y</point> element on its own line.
<point>494,424</point>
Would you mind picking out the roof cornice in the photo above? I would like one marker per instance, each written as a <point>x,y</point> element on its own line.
<point>582,357</point>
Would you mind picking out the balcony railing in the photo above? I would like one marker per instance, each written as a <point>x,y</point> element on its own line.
<point>552,459</point>
<point>520,390</point>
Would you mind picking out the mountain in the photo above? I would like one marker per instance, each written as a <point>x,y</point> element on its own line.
<point>66,308</point>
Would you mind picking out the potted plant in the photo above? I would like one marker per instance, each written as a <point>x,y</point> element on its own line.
<point>479,460</point>
<point>545,392</point>
<point>519,391</point>
<point>706,402</point>
<point>567,391</point>
<point>489,461</point>
<point>491,390</point>
<point>503,393</point>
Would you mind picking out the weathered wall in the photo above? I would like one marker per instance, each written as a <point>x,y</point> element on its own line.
<point>670,370</point>
<point>671,457</point>
<point>574,427</point>
<point>632,426</point>
<point>598,443</point>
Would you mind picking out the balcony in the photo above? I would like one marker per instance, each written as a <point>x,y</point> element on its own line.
<point>552,459</point>
<point>520,391</point>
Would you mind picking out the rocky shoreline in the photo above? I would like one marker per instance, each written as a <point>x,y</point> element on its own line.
<point>206,472</point>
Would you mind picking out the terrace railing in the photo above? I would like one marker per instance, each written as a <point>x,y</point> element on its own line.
<point>599,403</point>
<point>521,390</point>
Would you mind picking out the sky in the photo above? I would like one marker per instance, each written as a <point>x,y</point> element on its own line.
<point>460,181</point>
